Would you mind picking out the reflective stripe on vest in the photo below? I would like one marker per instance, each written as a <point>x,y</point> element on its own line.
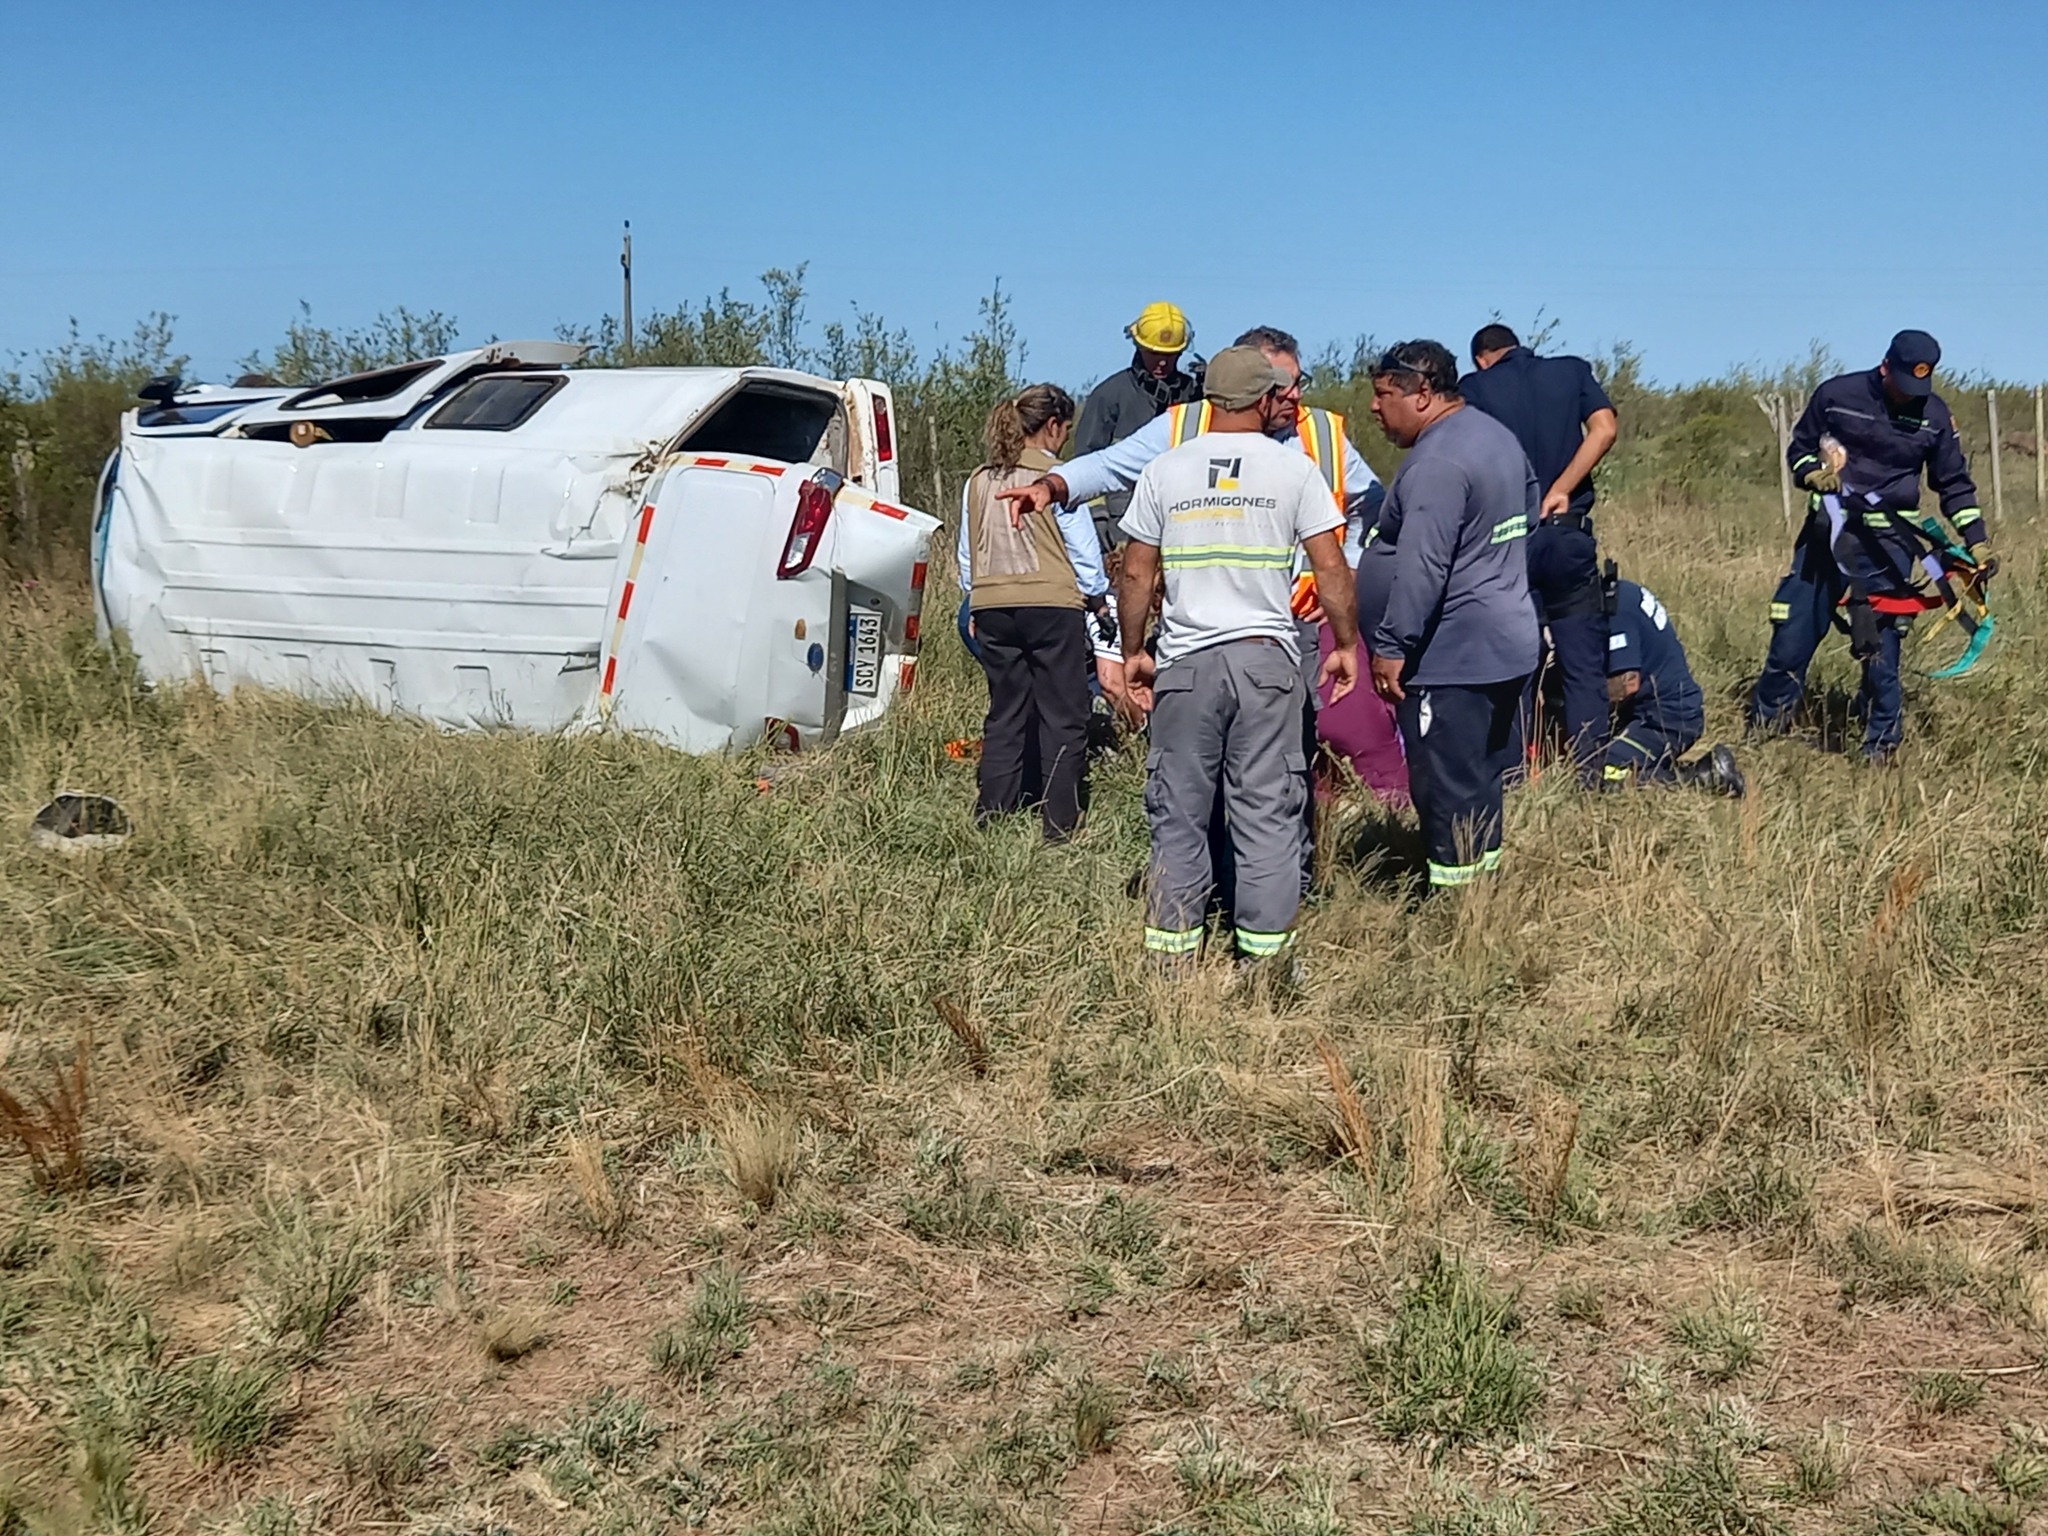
<point>1322,438</point>
<point>1188,421</point>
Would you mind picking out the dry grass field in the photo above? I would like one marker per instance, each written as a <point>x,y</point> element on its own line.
<point>424,1133</point>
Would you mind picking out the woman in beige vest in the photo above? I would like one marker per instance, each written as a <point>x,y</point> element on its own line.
<point>1031,584</point>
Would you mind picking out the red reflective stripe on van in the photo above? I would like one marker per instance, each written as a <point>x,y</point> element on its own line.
<point>907,677</point>
<point>910,629</point>
<point>918,572</point>
<point>765,469</point>
<point>611,671</point>
<point>888,511</point>
<point>646,522</point>
<point>625,600</point>
<point>704,463</point>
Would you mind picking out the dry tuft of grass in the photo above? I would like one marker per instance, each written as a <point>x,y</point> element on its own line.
<point>597,1193</point>
<point>513,1333</point>
<point>1423,1082</point>
<point>1546,1161</point>
<point>48,1125</point>
<point>1876,1009</point>
<point>972,1040</point>
<point>760,1145</point>
<point>1353,1125</point>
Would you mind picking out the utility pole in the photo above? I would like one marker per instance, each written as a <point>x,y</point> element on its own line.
<point>626,312</point>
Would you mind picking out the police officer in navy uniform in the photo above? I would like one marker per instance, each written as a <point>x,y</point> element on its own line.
<point>1566,424</point>
<point>1860,449</point>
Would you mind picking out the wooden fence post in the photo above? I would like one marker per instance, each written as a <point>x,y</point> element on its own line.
<point>1774,408</point>
<point>938,485</point>
<point>27,534</point>
<point>1997,463</point>
<point>2040,456</point>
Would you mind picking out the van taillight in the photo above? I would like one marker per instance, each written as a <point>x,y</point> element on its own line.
<point>806,529</point>
<point>885,439</point>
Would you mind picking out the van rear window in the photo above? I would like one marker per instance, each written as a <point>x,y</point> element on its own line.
<point>774,421</point>
<point>496,404</point>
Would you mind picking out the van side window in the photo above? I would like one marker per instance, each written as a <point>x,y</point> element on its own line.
<point>189,413</point>
<point>496,404</point>
<point>358,388</point>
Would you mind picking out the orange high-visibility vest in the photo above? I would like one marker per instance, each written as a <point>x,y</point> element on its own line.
<point>1321,435</point>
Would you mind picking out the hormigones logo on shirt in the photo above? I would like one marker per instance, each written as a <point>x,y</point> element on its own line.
<point>1223,474</point>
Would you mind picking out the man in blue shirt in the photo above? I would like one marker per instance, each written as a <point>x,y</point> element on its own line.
<point>1659,711</point>
<point>1457,638</point>
<point>1860,449</point>
<point>1566,424</point>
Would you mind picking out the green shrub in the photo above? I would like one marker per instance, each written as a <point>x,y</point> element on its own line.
<point>1449,1371</point>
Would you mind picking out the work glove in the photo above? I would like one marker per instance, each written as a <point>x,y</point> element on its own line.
<point>1987,562</point>
<point>1823,480</point>
<point>1863,641</point>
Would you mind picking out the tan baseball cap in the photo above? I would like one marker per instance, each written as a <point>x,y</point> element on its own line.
<point>1239,377</point>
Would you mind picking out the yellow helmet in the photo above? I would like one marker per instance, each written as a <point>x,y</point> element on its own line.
<point>1161,327</point>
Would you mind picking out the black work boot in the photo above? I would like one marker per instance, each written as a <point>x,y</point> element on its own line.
<point>1715,770</point>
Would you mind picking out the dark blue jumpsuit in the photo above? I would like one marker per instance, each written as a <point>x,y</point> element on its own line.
<point>1656,726</point>
<point>1888,446</point>
<point>1546,402</point>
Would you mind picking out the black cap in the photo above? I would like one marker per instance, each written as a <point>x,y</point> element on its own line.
<point>1910,362</point>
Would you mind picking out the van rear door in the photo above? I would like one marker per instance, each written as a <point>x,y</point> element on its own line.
<point>873,453</point>
<point>758,599</point>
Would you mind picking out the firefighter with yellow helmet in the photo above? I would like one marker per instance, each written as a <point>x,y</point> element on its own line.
<point>1154,383</point>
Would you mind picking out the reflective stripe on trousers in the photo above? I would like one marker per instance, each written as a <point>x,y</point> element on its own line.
<point>1226,720</point>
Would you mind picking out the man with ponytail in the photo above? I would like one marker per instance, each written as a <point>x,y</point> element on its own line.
<point>1031,586</point>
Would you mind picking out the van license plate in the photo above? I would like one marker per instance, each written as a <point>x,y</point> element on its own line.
<point>864,652</point>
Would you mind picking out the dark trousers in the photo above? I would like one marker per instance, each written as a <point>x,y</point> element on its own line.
<point>1564,580</point>
<point>1802,612</point>
<point>1034,745</point>
<point>1459,738</point>
<point>1648,748</point>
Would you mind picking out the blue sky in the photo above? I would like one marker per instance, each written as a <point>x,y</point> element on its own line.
<point>1717,184</point>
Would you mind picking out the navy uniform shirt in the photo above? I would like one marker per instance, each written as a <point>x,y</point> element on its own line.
<point>1445,568</point>
<point>1889,446</point>
<point>1641,638</point>
<point>1545,402</point>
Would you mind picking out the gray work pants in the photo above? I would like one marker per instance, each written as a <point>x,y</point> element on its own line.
<point>1226,723</point>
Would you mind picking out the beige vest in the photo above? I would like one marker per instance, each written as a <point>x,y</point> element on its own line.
<point>1024,567</point>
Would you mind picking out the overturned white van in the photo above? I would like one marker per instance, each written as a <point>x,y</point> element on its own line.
<point>709,556</point>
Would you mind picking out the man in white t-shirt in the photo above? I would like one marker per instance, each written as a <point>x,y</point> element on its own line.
<point>1221,515</point>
